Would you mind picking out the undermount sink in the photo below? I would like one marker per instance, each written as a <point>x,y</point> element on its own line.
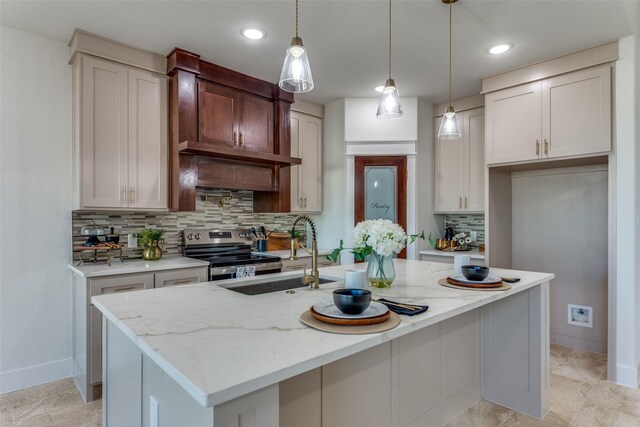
<point>271,286</point>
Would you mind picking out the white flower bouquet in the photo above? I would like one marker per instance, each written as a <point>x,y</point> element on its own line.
<point>380,239</point>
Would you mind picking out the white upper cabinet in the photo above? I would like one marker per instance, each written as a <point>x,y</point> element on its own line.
<point>147,140</point>
<point>576,113</point>
<point>306,179</point>
<point>513,124</point>
<point>560,117</point>
<point>459,166</point>
<point>121,136</point>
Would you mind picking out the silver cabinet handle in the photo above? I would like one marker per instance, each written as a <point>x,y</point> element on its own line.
<point>123,195</point>
<point>465,202</point>
<point>300,202</point>
<point>537,147</point>
<point>460,202</point>
<point>546,146</point>
<point>132,195</point>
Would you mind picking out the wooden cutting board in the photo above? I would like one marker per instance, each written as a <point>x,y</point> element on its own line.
<point>473,285</point>
<point>502,287</point>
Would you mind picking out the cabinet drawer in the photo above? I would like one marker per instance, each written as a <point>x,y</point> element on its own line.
<point>181,277</point>
<point>128,283</point>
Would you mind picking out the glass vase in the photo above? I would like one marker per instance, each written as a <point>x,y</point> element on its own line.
<point>380,272</point>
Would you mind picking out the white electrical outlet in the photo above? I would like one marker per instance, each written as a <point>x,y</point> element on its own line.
<point>154,409</point>
<point>473,235</point>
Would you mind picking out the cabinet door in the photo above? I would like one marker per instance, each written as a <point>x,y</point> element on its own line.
<point>296,171</point>
<point>473,134</point>
<point>449,172</point>
<point>147,140</point>
<point>309,176</point>
<point>218,114</point>
<point>256,128</point>
<point>104,134</point>
<point>180,277</point>
<point>513,124</point>
<point>576,113</point>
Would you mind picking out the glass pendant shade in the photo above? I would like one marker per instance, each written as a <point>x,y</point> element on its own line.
<point>449,126</point>
<point>296,72</point>
<point>389,107</point>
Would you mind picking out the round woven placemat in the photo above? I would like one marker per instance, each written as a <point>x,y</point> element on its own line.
<point>309,320</point>
<point>444,282</point>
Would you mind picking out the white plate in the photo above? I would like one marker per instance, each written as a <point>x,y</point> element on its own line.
<point>329,309</point>
<point>490,280</point>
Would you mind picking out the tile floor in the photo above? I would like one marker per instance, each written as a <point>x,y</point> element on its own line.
<point>580,397</point>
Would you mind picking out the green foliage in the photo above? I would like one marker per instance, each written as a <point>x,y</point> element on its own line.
<point>148,235</point>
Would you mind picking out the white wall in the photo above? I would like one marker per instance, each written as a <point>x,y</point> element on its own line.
<point>627,191</point>
<point>35,215</point>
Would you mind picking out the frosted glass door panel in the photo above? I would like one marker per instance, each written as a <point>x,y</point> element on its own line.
<point>380,193</point>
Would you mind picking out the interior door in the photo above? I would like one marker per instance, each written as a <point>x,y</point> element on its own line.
<point>381,190</point>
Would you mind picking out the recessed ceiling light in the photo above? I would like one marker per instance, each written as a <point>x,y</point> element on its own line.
<point>253,33</point>
<point>500,48</point>
<point>379,89</point>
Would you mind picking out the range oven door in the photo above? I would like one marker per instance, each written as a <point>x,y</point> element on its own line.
<point>229,272</point>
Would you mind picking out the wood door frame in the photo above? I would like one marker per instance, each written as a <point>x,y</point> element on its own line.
<point>401,164</point>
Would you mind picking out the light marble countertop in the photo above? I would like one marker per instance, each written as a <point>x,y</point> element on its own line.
<point>474,254</point>
<point>135,266</point>
<point>219,344</point>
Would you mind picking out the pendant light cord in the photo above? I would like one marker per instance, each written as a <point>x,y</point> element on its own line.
<point>296,18</point>
<point>389,39</point>
<point>450,43</point>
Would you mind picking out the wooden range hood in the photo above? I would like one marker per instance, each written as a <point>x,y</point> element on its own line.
<point>227,130</point>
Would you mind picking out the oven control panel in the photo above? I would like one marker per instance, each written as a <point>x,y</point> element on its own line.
<point>199,236</point>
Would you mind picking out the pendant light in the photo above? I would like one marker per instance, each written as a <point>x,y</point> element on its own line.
<point>296,72</point>
<point>449,127</point>
<point>389,107</point>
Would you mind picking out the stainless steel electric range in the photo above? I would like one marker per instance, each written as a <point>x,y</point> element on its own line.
<point>226,250</point>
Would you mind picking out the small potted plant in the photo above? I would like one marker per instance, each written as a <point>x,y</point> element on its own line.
<point>462,241</point>
<point>152,243</point>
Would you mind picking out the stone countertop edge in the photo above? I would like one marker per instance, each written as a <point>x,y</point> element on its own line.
<point>345,345</point>
<point>472,254</point>
<point>135,266</point>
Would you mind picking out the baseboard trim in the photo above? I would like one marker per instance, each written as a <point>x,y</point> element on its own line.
<point>34,375</point>
<point>580,343</point>
<point>628,376</point>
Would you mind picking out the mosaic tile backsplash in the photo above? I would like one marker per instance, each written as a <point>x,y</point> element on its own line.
<point>237,214</point>
<point>463,223</point>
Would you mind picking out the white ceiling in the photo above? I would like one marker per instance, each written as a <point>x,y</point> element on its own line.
<point>346,40</point>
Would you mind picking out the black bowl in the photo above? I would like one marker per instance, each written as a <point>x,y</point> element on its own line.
<point>352,301</point>
<point>476,273</point>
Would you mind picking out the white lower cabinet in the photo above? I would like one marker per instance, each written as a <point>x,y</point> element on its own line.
<point>424,378</point>
<point>87,319</point>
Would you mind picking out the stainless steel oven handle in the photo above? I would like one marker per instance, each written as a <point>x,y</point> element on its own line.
<point>220,271</point>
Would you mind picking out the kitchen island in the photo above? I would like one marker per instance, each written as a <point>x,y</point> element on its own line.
<point>202,354</point>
